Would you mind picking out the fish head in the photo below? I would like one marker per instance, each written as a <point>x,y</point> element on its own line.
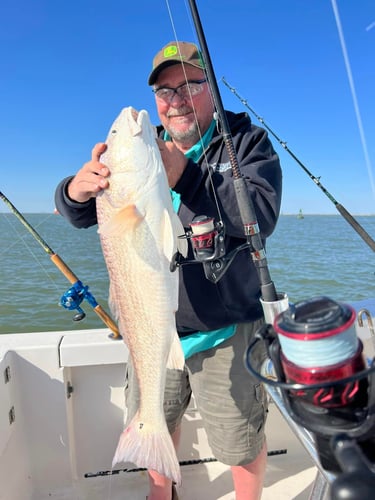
<point>132,155</point>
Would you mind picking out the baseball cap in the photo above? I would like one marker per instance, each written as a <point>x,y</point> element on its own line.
<point>174,53</point>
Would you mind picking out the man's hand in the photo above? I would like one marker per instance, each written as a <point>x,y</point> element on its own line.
<point>173,159</point>
<point>91,179</point>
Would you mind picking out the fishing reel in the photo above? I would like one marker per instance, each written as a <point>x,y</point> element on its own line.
<point>208,243</point>
<point>73,298</point>
<point>327,387</point>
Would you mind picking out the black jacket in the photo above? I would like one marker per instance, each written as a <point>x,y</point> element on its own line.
<point>204,305</point>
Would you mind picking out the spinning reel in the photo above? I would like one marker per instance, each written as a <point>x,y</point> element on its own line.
<point>208,244</point>
<point>326,387</point>
<point>73,298</point>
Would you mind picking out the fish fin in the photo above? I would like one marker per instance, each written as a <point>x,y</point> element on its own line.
<point>178,230</point>
<point>167,235</point>
<point>176,358</point>
<point>125,219</point>
<point>146,446</point>
<point>172,229</point>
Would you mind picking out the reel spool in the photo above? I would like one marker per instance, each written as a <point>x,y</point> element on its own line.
<point>326,387</point>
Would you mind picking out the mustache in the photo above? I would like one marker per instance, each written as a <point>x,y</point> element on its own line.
<point>184,110</point>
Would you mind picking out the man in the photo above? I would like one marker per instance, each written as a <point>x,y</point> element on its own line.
<point>215,322</point>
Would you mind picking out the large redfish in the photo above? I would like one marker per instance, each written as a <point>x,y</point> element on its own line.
<point>139,235</point>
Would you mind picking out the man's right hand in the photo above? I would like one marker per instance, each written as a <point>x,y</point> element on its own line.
<point>91,179</point>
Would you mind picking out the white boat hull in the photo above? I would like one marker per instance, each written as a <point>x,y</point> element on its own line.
<point>62,410</point>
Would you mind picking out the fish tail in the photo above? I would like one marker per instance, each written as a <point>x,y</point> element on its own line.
<point>145,446</point>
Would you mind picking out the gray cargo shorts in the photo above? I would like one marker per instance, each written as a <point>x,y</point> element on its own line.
<point>232,403</point>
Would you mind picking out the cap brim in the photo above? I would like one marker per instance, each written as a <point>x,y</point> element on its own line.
<point>155,72</point>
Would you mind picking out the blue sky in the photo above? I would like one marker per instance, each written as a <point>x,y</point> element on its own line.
<point>68,67</point>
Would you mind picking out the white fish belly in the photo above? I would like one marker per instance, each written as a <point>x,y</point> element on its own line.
<point>137,229</point>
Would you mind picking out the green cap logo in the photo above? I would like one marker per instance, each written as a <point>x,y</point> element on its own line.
<point>170,51</point>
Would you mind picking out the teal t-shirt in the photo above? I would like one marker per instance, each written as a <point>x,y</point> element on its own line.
<point>200,341</point>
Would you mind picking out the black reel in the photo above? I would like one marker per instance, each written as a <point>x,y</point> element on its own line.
<point>208,243</point>
<point>344,433</point>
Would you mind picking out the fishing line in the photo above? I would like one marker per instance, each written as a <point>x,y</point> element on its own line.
<point>341,209</point>
<point>243,197</point>
<point>15,241</point>
<point>22,238</point>
<point>214,265</point>
<point>193,107</point>
<point>73,297</point>
<point>354,94</point>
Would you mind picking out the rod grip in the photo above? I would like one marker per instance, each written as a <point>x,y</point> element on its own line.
<point>67,272</point>
<point>108,321</point>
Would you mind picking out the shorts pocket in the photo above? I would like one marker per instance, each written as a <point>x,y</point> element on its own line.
<point>262,400</point>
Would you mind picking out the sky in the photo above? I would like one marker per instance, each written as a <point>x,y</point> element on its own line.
<point>68,67</point>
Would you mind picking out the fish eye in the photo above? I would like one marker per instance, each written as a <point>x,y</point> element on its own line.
<point>114,131</point>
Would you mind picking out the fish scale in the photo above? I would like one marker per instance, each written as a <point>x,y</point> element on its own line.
<point>139,232</point>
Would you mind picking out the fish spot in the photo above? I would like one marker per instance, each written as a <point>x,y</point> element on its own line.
<point>141,425</point>
<point>114,131</point>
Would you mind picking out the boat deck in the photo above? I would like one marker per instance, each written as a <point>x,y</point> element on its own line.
<point>290,471</point>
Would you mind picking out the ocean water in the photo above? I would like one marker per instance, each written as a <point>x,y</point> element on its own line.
<point>317,255</point>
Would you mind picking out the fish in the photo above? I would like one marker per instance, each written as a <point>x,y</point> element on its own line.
<point>139,235</point>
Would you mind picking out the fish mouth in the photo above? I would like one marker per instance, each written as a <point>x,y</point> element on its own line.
<point>134,113</point>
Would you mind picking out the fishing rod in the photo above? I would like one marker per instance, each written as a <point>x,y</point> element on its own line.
<point>244,201</point>
<point>342,210</point>
<point>74,296</point>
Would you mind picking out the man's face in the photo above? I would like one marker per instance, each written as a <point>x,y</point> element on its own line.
<point>186,119</point>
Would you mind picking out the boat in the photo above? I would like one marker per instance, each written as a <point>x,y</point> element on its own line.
<point>300,214</point>
<point>62,410</point>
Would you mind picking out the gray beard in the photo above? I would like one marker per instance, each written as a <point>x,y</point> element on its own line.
<point>187,136</point>
<point>190,136</point>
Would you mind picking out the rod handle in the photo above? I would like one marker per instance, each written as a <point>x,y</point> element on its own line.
<point>67,272</point>
<point>108,321</point>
